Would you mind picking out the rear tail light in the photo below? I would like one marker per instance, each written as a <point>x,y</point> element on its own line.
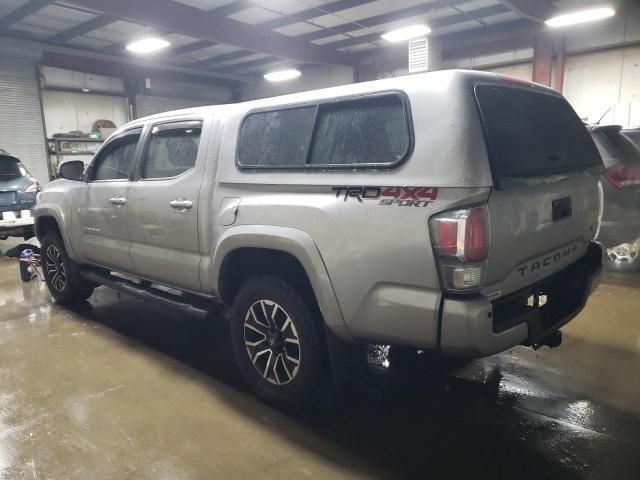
<point>622,176</point>
<point>460,241</point>
<point>33,188</point>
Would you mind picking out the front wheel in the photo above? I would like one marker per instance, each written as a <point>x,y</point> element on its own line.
<point>61,273</point>
<point>277,342</point>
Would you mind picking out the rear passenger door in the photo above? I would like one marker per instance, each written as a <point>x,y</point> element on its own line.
<point>163,208</point>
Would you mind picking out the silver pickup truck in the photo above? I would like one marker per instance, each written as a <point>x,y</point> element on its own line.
<point>452,211</point>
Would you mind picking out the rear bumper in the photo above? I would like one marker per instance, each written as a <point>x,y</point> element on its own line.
<point>479,327</point>
<point>16,223</point>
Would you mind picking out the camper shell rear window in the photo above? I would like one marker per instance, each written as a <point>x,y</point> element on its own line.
<point>531,133</point>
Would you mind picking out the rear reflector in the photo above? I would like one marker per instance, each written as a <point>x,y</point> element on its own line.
<point>622,176</point>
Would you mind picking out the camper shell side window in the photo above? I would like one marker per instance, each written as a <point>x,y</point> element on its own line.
<point>370,131</point>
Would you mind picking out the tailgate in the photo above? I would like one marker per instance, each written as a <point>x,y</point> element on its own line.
<point>539,230</point>
<point>544,208</point>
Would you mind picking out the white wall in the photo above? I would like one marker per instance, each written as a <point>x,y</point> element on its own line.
<point>313,77</point>
<point>58,77</point>
<point>608,80</point>
<point>67,111</point>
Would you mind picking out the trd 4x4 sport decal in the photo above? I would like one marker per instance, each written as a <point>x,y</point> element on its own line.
<point>388,196</point>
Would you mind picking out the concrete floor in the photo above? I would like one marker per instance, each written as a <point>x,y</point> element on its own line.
<point>120,388</point>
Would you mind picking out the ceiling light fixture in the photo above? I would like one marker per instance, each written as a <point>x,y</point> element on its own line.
<point>583,16</point>
<point>147,45</point>
<point>406,33</point>
<point>282,75</point>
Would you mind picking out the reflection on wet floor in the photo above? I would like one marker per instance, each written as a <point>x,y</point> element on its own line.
<point>121,388</point>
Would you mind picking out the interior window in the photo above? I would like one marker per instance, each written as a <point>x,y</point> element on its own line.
<point>171,151</point>
<point>116,163</point>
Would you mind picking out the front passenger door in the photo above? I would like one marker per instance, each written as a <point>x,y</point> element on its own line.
<point>102,206</point>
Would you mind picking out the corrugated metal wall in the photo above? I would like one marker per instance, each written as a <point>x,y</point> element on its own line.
<point>21,129</point>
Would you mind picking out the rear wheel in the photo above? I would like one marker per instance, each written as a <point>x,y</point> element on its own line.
<point>61,273</point>
<point>277,341</point>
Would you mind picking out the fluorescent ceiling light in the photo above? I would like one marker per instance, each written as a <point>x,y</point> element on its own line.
<point>147,45</point>
<point>581,17</point>
<point>282,75</point>
<point>406,33</point>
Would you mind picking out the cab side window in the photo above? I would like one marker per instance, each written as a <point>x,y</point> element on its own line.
<point>172,150</point>
<point>116,162</point>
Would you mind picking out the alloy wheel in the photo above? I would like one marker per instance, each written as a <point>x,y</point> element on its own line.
<point>272,342</point>
<point>54,265</point>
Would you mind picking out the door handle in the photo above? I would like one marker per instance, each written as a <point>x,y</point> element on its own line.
<point>181,204</point>
<point>118,201</point>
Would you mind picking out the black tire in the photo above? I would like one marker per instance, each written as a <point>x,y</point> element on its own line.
<point>61,273</point>
<point>25,274</point>
<point>284,385</point>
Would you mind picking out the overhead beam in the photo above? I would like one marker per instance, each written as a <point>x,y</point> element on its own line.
<point>396,16</point>
<point>312,13</point>
<point>119,47</point>
<point>538,11</point>
<point>273,24</point>
<point>234,7</point>
<point>434,24</point>
<point>253,63</point>
<point>470,39</point>
<point>83,28</point>
<point>192,47</point>
<point>85,56</point>
<point>210,62</point>
<point>180,18</point>
<point>23,12</point>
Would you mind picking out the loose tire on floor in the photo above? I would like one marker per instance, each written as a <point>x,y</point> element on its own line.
<point>277,342</point>
<point>61,273</point>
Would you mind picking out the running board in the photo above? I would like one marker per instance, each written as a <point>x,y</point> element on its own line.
<point>185,302</point>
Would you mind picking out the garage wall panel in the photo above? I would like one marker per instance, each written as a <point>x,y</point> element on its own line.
<point>68,111</point>
<point>150,105</point>
<point>605,83</point>
<point>165,95</point>
<point>21,129</point>
<point>523,71</point>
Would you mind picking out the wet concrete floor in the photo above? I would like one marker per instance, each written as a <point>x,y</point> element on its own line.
<point>119,388</point>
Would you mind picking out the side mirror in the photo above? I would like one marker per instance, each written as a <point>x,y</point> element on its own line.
<point>72,170</point>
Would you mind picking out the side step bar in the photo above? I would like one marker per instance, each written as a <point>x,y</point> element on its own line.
<point>185,302</point>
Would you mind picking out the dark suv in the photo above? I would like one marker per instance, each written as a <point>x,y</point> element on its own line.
<point>620,230</point>
<point>18,190</point>
<point>633,134</point>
